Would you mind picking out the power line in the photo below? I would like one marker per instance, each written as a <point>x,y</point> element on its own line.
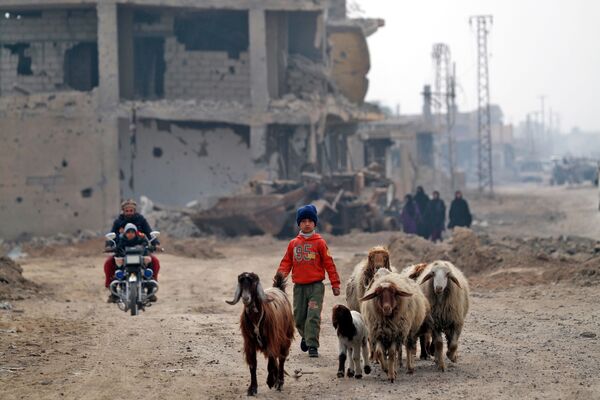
<point>484,127</point>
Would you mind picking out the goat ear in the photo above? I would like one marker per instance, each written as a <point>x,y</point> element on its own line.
<point>402,293</point>
<point>453,279</point>
<point>427,277</point>
<point>236,296</point>
<point>370,296</point>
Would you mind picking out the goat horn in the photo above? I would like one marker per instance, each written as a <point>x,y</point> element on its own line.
<point>236,296</point>
<point>261,293</point>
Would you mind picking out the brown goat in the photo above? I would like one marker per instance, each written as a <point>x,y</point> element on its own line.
<point>267,325</point>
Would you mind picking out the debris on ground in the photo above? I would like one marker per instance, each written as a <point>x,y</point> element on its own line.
<point>12,283</point>
<point>363,200</point>
<point>503,261</point>
<point>194,248</point>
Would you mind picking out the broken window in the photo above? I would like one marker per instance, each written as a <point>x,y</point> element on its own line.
<point>375,151</point>
<point>149,67</point>
<point>214,31</point>
<point>24,63</point>
<point>286,147</point>
<point>425,149</point>
<point>81,66</point>
<point>305,34</point>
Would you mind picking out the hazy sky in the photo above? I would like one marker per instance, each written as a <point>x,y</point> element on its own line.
<point>549,47</point>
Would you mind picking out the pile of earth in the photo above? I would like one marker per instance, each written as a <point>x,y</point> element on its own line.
<point>13,286</point>
<point>193,248</point>
<point>506,261</point>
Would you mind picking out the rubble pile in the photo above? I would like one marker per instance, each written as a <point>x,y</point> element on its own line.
<point>345,201</point>
<point>506,260</point>
<point>307,76</point>
<point>12,282</point>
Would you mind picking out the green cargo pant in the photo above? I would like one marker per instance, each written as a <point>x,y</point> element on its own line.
<point>308,303</point>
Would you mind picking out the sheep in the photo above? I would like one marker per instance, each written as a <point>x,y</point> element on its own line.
<point>267,325</point>
<point>449,306</point>
<point>352,338</point>
<point>414,272</point>
<point>359,282</point>
<point>396,318</point>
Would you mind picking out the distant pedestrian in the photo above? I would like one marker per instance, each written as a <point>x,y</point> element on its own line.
<point>422,200</point>
<point>459,215</point>
<point>435,217</point>
<point>411,216</point>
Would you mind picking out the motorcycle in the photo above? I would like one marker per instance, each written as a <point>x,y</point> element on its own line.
<point>133,284</point>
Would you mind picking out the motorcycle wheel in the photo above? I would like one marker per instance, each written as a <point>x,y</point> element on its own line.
<point>133,298</point>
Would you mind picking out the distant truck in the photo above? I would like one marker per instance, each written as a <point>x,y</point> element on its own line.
<point>574,171</point>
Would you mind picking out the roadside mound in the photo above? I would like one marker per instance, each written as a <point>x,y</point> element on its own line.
<point>12,283</point>
<point>501,262</point>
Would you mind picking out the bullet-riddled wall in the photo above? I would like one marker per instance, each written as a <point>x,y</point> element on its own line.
<point>57,173</point>
<point>178,162</point>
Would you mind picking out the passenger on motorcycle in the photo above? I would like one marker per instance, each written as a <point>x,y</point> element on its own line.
<point>129,215</point>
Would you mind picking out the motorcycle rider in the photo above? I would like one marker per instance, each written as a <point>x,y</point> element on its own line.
<point>129,215</point>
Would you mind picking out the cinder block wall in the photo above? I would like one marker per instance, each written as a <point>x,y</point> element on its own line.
<point>205,74</point>
<point>49,37</point>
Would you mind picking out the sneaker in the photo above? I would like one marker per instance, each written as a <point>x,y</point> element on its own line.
<point>303,345</point>
<point>313,352</point>
<point>112,298</point>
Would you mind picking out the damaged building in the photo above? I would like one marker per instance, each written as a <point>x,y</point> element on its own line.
<point>178,100</point>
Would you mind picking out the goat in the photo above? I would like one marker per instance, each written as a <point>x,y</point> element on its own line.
<point>267,325</point>
<point>396,318</point>
<point>447,290</point>
<point>352,338</point>
<point>361,278</point>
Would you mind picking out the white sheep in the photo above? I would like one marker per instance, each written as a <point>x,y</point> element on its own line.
<point>362,276</point>
<point>352,338</point>
<point>394,310</point>
<point>447,290</point>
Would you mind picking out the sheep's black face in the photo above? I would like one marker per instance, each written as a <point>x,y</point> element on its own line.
<point>341,316</point>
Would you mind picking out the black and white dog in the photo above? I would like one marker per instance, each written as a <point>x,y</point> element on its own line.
<point>352,337</point>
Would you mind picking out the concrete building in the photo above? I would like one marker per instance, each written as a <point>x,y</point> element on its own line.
<point>178,100</point>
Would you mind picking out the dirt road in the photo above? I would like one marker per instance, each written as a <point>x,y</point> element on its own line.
<point>66,343</point>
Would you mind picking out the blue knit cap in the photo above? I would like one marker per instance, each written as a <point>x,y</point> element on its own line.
<point>307,212</point>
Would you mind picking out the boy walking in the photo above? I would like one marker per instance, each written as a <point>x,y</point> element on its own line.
<point>307,258</point>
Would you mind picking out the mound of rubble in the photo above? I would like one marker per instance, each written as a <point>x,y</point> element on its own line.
<point>12,283</point>
<point>505,261</point>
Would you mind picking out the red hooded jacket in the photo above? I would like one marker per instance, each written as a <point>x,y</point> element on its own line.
<point>308,259</point>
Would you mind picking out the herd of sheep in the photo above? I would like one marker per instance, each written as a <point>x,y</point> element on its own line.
<point>386,311</point>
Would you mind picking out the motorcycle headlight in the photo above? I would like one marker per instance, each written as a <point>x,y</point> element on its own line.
<point>148,273</point>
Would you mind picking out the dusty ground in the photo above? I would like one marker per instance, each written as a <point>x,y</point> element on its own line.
<point>65,342</point>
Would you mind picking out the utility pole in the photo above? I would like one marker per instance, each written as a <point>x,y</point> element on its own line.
<point>543,121</point>
<point>529,135</point>
<point>444,95</point>
<point>484,127</point>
